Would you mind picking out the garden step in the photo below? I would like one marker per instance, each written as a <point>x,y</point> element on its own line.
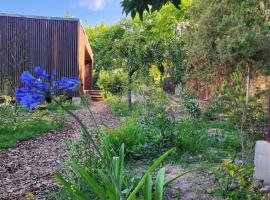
<point>95,95</point>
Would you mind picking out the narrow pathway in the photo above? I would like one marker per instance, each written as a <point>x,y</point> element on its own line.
<point>28,167</point>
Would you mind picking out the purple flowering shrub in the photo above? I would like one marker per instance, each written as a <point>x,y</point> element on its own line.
<point>41,89</point>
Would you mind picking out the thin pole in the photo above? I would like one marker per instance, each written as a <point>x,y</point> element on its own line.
<point>268,133</point>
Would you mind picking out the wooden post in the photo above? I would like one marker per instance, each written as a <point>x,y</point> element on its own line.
<point>129,92</point>
<point>268,126</point>
<point>247,84</point>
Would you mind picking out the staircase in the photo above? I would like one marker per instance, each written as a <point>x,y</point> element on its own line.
<point>95,95</point>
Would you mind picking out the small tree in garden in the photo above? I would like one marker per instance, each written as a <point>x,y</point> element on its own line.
<point>132,50</point>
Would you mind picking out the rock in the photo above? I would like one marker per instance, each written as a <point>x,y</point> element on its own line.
<point>258,185</point>
<point>232,186</point>
<point>262,161</point>
<point>265,189</point>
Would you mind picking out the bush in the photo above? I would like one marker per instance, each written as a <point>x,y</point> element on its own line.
<point>130,133</point>
<point>190,104</point>
<point>112,81</point>
<point>160,134</point>
<point>234,181</point>
<point>230,102</point>
<point>118,106</point>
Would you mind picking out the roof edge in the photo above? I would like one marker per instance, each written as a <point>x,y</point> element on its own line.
<point>39,17</point>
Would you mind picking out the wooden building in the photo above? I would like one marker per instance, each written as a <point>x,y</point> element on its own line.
<point>48,42</point>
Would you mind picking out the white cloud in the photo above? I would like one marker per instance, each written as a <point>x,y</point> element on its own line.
<point>93,4</point>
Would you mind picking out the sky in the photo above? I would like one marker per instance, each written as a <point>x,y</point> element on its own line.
<point>90,12</point>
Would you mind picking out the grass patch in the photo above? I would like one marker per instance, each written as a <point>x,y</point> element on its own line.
<point>9,136</point>
<point>56,108</point>
<point>209,141</point>
<point>119,106</point>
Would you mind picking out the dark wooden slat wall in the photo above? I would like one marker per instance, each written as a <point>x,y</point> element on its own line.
<point>28,42</point>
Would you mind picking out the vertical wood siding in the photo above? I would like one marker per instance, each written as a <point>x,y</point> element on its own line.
<point>27,42</point>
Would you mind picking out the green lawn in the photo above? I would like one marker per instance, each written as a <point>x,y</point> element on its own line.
<point>9,136</point>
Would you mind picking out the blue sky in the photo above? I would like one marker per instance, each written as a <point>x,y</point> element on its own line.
<point>92,11</point>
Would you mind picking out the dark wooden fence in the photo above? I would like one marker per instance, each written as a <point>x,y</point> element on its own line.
<point>26,42</point>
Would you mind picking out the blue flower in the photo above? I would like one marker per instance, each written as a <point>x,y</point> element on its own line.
<point>68,83</point>
<point>32,100</point>
<point>27,77</point>
<point>36,91</point>
<point>42,73</point>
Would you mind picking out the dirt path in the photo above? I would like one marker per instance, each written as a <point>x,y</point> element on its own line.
<point>28,167</point>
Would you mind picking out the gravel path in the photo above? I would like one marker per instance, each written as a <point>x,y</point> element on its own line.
<point>28,167</point>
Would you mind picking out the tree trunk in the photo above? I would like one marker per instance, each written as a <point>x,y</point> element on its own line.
<point>247,84</point>
<point>206,91</point>
<point>129,92</point>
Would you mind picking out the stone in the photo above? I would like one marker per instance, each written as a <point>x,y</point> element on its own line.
<point>258,184</point>
<point>76,101</point>
<point>232,186</point>
<point>262,161</point>
<point>265,189</point>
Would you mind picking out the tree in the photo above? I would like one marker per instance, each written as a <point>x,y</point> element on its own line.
<point>225,37</point>
<point>139,6</point>
<point>132,49</point>
<point>103,40</point>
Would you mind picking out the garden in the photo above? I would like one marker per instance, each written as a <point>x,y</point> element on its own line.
<point>186,91</point>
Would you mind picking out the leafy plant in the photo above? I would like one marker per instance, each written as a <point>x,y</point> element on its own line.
<point>190,104</point>
<point>131,133</point>
<point>112,81</point>
<point>230,101</point>
<point>234,181</point>
<point>106,187</point>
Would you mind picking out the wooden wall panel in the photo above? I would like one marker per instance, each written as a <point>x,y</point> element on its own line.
<point>26,42</point>
<point>85,58</point>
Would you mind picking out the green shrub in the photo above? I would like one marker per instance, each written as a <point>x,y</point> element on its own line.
<point>110,183</point>
<point>130,133</point>
<point>155,99</point>
<point>230,101</point>
<point>7,117</point>
<point>119,106</point>
<point>190,104</point>
<point>112,81</point>
<point>234,181</point>
<point>160,134</point>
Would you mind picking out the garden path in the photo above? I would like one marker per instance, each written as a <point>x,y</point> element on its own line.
<point>28,167</point>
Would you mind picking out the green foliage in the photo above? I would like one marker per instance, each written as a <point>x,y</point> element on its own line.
<point>106,186</point>
<point>113,82</point>
<point>7,116</point>
<point>131,133</point>
<point>154,99</point>
<point>104,40</point>
<point>24,129</point>
<point>234,181</point>
<point>225,36</point>
<point>190,104</point>
<point>17,124</point>
<point>134,6</point>
<point>160,133</point>
<point>119,106</point>
<point>230,101</point>
<point>56,108</point>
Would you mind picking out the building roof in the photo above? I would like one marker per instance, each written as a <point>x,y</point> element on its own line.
<point>39,17</point>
